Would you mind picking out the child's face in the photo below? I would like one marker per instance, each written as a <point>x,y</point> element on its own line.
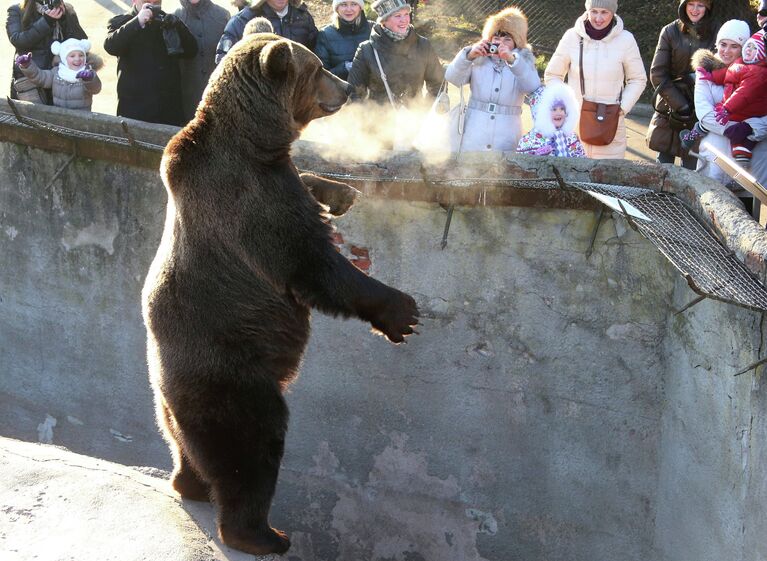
<point>749,51</point>
<point>558,116</point>
<point>75,59</point>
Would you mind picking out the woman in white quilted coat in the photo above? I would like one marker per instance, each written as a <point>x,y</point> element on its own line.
<point>612,67</point>
<point>500,69</point>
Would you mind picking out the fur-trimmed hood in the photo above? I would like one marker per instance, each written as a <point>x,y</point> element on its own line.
<point>541,101</point>
<point>703,58</point>
<point>512,21</point>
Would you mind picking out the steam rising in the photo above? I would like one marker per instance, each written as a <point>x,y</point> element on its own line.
<point>366,131</point>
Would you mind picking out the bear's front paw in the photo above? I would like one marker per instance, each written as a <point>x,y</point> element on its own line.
<point>337,196</point>
<point>396,318</point>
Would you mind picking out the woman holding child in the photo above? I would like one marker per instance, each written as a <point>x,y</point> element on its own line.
<point>709,96</point>
<point>500,70</point>
<point>612,68</point>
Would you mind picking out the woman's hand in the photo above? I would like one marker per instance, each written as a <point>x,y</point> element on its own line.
<point>505,53</point>
<point>56,13</point>
<point>145,14</point>
<point>478,49</point>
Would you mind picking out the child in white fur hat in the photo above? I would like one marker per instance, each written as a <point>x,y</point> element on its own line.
<point>73,80</point>
<point>555,116</point>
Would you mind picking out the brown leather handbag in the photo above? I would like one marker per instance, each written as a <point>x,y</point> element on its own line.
<point>599,121</point>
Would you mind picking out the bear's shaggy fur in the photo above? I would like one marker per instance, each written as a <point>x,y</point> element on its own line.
<point>246,252</point>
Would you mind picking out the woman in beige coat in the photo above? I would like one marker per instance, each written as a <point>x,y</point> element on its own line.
<point>612,67</point>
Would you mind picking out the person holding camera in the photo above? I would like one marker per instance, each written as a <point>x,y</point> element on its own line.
<point>149,43</point>
<point>32,27</point>
<point>500,71</point>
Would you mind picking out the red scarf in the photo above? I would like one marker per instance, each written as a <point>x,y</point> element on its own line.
<point>599,34</point>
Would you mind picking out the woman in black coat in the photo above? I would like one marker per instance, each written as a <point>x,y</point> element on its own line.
<point>32,26</point>
<point>671,75</point>
<point>408,60</point>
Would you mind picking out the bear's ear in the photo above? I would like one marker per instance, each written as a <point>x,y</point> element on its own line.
<point>276,60</point>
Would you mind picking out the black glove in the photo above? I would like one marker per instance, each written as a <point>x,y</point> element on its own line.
<point>170,21</point>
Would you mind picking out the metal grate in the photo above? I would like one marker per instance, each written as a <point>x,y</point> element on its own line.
<point>710,268</point>
<point>19,120</point>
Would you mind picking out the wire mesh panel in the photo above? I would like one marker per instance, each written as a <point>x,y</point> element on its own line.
<point>710,268</point>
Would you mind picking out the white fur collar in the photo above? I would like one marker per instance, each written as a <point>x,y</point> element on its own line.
<point>542,113</point>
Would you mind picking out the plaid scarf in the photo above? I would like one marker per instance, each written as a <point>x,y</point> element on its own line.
<point>560,144</point>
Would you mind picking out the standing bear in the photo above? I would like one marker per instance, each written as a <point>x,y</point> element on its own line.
<point>246,252</point>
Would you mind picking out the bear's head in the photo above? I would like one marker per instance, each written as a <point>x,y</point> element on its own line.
<point>267,80</point>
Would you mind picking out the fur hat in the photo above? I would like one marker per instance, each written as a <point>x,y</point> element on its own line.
<point>385,8</point>
<point>734,30</point>
<point>611,5</point>
<point>337,3</point>
<point>66,47</point>
<point>511,21</point>
<point>756,42</point>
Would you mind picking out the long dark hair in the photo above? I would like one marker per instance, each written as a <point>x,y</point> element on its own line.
<point>30,15</point>
<point>706,27</point>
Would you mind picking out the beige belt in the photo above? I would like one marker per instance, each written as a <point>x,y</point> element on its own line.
<point>495,108</point>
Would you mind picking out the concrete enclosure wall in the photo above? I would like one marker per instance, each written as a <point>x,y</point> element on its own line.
<point>553,406</point>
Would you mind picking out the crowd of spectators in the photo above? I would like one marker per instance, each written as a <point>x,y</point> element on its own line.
<point>164,61</point>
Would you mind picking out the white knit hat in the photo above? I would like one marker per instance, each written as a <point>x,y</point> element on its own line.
<point>337,3</point>
<point>734,30</point>
<point>385,8</point>
<point>63,49</point>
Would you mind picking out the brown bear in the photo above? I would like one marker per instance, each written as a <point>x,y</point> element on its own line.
<point>246,252</point>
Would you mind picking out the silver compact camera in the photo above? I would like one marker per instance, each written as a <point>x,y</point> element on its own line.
<point>493,48</point>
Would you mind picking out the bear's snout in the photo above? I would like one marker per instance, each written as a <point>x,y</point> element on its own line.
<point>332,92</point>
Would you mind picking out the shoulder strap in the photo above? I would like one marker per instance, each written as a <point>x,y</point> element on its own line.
<point>580,61</point>
<point>383,78</point>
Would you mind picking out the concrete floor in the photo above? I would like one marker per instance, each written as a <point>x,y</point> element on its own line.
<point>94,15</point>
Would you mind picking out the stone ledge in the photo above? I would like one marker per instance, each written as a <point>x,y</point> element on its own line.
<point>59,505</point>
<point>413,176</point>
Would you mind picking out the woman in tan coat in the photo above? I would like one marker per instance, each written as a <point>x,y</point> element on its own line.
<point>612,67</point>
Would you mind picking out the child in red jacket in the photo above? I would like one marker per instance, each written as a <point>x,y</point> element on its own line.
<point>745,84</point>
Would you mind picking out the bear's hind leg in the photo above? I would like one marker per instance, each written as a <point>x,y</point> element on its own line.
<point>188,483</point>
<point>184,479</point>
<point>238,449</point>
